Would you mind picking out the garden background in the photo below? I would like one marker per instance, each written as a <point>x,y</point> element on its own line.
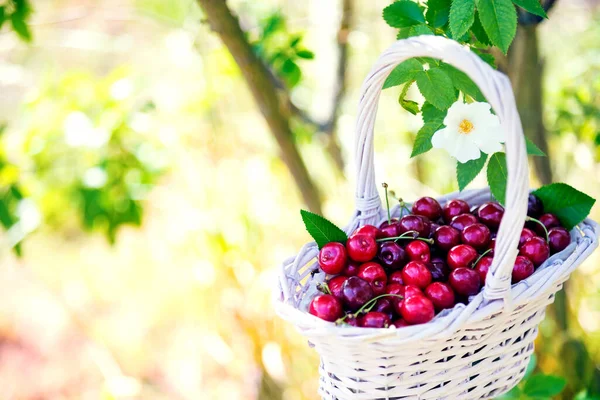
<point>146,201</point>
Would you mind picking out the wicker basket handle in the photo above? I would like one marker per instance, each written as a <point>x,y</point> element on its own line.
<point>496,87</point>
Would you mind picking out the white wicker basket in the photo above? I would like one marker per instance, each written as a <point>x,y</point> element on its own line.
<point>474,351</point>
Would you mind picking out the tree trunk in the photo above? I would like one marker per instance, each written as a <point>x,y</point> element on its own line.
<point>277,115</point>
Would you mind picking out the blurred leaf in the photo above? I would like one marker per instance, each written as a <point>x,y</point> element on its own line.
<point>532,6</point>
<point>499,19</point>
<point>2,15</point>
<point>19,26</point>
<point>461,16</point>
<point>437,12</point>
<point>569,204</point>
<point>497,175</point>
<point>321,229</point>
<point>513,394</point>
<point>306,54</point>
<point>437,88</point>
<point>531,366</point>
<point>423,139</point>
<point>291,72</point>
<point>404,72</point>
<point>466,172</point>
<point>544,386</point>
<point>532,149</point>
<point>403,13</point>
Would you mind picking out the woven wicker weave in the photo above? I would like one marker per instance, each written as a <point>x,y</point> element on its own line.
<point>474,351</point>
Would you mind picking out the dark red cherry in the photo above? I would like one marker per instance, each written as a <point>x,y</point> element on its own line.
<point>332,258</point>
<point>441,295</point>
<point>335,285</point>
<point>446,237</point>
<point>549,221</point>
<point>492,246</point>
<point>368,230</point>
<point>482,267</point>
<point>384,305</point>
<point>375,275</point>
<point>399,323</point>
<point>461,256</point>
<point>418,250</point>
<point>465,281</point>
<point>351,320</point>
<point>526,234</point>
<point>327,307</point>
<point>535,208</point>
<point>536,249</point>
<point>558,239</point>
<point>414,223</point>
<point>461,221</point>
<point>428,224</point>
<point>398,290</point>
<point>391,255</point>
<point>351,268</point>
<point>410,291</point>
<point>522,269</point>
<point>390,229</point>
<point>417,310</point>
<point>439,269</point>
<point>356,292</point>
<point>453,208</point>
<point>361,248</point>
<point>490,214</point>
<point>416,273</point>
<point>476,236</point>
<point>374,319</point>
<point>427,207</point>
<point>396,277</point>
<point>434,227</point>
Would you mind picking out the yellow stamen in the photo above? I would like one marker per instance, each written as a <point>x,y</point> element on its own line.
<point>465,127</point>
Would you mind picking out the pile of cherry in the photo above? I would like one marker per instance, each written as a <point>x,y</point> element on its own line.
<point>408,270</point>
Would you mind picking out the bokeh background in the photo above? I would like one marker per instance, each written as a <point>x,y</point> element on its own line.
<point>146,205</point>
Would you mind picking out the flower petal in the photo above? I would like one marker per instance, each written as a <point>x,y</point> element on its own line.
<point>465,149</point>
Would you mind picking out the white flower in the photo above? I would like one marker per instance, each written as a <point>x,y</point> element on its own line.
<point>470,129</point>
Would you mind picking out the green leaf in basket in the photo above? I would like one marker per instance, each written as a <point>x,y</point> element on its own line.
<point>461,16</point>
<point>532,6</point>
<point>437,12</point>
<point>497,175</point>
<point>466,172</point>
<point>499,19</point>
<point>545,386</point>
<point>462,82</point>
<point>532,149</point>
<point>322,230</point>
<point>423,139</point>
<point>569,204</point>
<point>404,72</point>
<point>437,88</point>
<point>403,13</point>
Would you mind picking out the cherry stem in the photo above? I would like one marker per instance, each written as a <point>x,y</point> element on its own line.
<point>387,202</point>
<point>541,224</point>
<point>480,257</point>
<point>323,287</point>
<point>412,235</point>
<point>403,207</point>
<point>368,306</point>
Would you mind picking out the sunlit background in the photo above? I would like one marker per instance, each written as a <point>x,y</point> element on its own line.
<point>151,208</point>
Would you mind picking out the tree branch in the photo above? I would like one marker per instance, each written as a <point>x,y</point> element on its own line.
<point>258,78</point>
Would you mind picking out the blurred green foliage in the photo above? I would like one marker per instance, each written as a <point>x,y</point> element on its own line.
<point>17,12</point>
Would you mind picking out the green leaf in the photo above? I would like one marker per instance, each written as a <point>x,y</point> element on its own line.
<point>404,72</point>
<point>437,88</point>
<point>20,26</point>
<point>461,16</point>
<point>569,204</point>
<point>544,386</point>
<point>432,114</point>
<point>532,149</point>
<point>415,30</point>
<point>513,394</point>
<point>321,229</point>
<point>462,82</point>
<point>423,139</point>
<point>409,105</point>
<point>487,57</point>
<point>2,15</point>
<point>291,72</point>
<point>497,175</point>
<point>403,13</point>
<point>531,366</point>
<point>532,6</point>
<point>499,19</point>
<point>479,32</point>
<point>466,172</point>
<point>437,12</point>
<point>306,54</point>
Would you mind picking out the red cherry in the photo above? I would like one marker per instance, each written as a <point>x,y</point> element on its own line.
<point>492,246</point>
<point>446,237</point>
<point>396,277</point>
<point>441,295</point>
<point>522,269</point>
<point>476,235</point>
<point>335,285</point>
<point>525,235</point>
<point>416,273</point>
<point>368,230</point>
<point>351,269</point>
<point>399,323</point>
<point>417,310</point>
<point>490,214</point>
<point>327,307</point>
<point>374,319</point>
<point>418,250</point>
<point>390,229</point>
<point>453,208</point>
<point>549,221</point>
<point>465,281</point>
<point>461,221</point>
<point>536,249</point>
<point>410,291</point>
<point>482,267</point>
<point>351,320</point>
<point>397,289</point>
<point>356,292</point>
<point>361,248</point>
<point>391,255</point>
<point>558,239</point>
<point>332,258</point>
<point>461,256</point>
<point>427,207</point>
<point>375,275</point>
<point>414,223</point>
